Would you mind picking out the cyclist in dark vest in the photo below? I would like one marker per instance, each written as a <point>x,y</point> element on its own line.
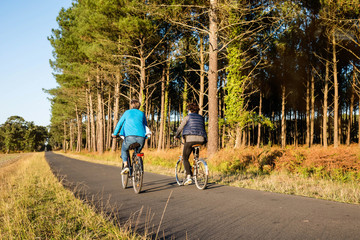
<point>193,132</point>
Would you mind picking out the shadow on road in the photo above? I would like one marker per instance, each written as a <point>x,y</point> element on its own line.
<point>159,185</point>
<point>166,184</point>
<point>213,186</point>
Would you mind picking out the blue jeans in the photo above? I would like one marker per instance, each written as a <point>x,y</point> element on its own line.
<point>126,144</point>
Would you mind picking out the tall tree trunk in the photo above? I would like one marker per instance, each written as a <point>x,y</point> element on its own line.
<point>93,127</point>
<point>336,93</point>
<point>64,143</point>
<point>116,107</point>
<point>109,124</point>
<point>99,116</point>
<point>168,124</point>
<point>79,129</point>
<point>166,107</point>
<point>103,115</point>
<point>308,113</point>
<point>146,98</point>
<point>88,124</point>
<point>213,79</point>
<point>162,112</point>
<point>222,113</point>
<point>243,137</point>
<point>238,135</point>
<point>296,140</point>
<point>202,76</point>
<point>142,81</point>
<point>249,136</point>
<point>72,135</point>
<point>352,98</point>
<point>271,133</point>
<point>312,109</point>
<point>283,116</point>
<point>259,124</point>
<point>158,125</point>
<point>325,107</point>
<point>340,130</point>
<point>185,99</point>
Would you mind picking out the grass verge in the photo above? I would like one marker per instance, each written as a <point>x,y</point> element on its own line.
<point>297,171</point>
<point>34,205</point>
<point>9,158</point>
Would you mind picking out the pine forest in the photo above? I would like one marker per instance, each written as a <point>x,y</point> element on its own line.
<point>263,72</point>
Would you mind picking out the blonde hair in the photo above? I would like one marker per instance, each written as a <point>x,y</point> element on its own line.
<point>135,104</point>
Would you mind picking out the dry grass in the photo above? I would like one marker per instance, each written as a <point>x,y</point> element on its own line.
<point>282,182</point>
<point>34,205</point>
<point>9,158</point>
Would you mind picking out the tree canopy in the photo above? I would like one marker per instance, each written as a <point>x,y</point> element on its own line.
<point>263,72</point>
<point>18,135</point>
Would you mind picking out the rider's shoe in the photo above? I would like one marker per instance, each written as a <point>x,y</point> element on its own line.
<point>188,180</point>
<point>125,171</point>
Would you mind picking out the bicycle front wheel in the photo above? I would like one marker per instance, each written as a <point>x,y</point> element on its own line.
<point>124,178</point>
<point>202,174</point>
<point>137,175</point>
<point>180,173</point>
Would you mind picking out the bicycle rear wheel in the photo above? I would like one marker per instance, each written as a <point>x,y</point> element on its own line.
<point>180,173</point>
<point>137,175</point>
<point>124,178</point>
<point>202,174</point>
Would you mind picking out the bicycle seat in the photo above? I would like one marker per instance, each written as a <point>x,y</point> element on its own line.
<point>196,145</point>
<point>134,146</point>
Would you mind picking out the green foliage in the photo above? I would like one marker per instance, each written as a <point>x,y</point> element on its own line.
<point>238,80</point>
<point>18,135</point>
<point>235,98</point>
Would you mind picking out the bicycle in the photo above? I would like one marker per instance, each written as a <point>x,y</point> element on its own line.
<point>136,170</point>
<point>199,168</point>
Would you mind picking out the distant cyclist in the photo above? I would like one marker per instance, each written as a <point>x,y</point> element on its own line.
<point>193,132</point>
<point>132,125</point>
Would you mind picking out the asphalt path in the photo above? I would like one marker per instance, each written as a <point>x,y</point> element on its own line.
<point>168,211</point>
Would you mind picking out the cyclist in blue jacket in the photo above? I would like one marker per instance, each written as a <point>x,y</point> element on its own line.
<point>193,132</point>
<point>132,125</point>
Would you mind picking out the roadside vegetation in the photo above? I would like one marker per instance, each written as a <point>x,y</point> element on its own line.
<point>7,158</point>
<point>331,174</point>
<point>34,205</point>
<point>18,135</point>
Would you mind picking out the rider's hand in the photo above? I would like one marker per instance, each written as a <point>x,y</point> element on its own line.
<point>112,135</point>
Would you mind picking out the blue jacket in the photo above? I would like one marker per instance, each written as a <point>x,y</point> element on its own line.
<point>131,123</point>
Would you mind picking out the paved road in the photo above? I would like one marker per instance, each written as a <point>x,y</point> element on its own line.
<point>219,212</point>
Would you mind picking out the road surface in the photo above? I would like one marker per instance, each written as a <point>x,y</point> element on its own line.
<point>219,212</point>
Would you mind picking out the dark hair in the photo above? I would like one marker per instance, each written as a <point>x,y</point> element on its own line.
<point>135,104</point>
<point>193,107</point>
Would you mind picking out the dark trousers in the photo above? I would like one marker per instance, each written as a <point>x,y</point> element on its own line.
<point>186,154</point>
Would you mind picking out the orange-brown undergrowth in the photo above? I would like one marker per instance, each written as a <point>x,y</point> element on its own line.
<point>342,163</point>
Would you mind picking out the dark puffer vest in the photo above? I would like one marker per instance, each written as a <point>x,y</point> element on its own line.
<point>195,126</point>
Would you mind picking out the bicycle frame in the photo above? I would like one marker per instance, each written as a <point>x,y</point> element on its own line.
<point>131,160</point>
<point>199,169</point>
<point>136,169</point>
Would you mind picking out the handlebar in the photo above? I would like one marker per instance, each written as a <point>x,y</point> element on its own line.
<point>117,137</point>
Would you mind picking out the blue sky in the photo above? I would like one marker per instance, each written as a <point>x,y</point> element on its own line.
<point>24,58</point>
